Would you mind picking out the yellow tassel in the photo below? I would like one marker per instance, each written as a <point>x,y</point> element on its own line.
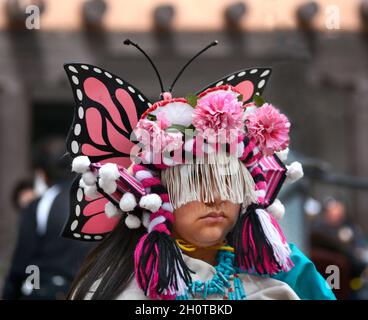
<point>189,247</point>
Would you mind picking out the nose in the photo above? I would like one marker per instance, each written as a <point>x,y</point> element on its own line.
<point>216,203</point>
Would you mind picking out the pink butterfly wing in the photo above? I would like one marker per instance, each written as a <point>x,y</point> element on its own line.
<point>107,110</point>
<point>249,82</point>
<point>87,219</point>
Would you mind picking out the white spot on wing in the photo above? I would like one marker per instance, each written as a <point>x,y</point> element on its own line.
<point>75,80</point>
<point>141,98</point>
<point>240,74</point>
<point>119,81</point>
<point>80,112</point>
<point>74,225</point>
<point>261,83</point>
<point>73,69</point>
<point>76,235</point>
<point>77,210</point>
<point>85,67</point>
<point>74,146</point>
<point>219,83</point>
<point>253,71</point>
<point>79,194</point>
<point>265,73</point>
<point>86,236</point>
<point>79,94</point>
<point>231,77</point>
<point>108,75</point>
<point>131,89</point>
<point>77,129</point>
<point>97,70</point>
<point>97,237</point>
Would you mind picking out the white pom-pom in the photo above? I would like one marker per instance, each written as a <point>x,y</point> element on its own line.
<point>127,202</point>
<point>111,210</point>
<point>146,219</point>
<point>80,164</point>
<point>91,192</point>
<point>277,209</point>
<point>143,174</point>
<point>294,172</point>
<point>132,221</point>
<point>89,178</point>
<point>82,184</point>
<point>109,186</point>
<point>109,171</point>
<point>151,202</point>
<point>283,154</point>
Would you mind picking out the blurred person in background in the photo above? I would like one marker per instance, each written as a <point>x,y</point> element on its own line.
<point>23,194</point>
<point>39,241</point>
<point>334,234</point>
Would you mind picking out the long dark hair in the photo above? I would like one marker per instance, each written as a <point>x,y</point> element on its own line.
<point>111,261</point>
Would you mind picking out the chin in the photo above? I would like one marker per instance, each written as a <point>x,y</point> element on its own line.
<point>210,236</point>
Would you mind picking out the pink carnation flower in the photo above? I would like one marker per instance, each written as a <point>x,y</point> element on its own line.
<point>171,141</point>
<point>146,131</point>
<point>153,137</point>
<point>217,113</point>
<point>269,128</point>
<point>162,120</point>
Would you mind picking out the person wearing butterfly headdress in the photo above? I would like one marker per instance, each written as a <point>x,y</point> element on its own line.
<point>182,192</point>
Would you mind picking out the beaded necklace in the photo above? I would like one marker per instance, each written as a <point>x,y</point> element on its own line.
<point>225,282</point>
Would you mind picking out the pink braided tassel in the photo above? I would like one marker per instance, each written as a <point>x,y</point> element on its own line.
<point>157,278</point>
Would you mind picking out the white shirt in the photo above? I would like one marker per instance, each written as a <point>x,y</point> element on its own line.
<point>255,287</point>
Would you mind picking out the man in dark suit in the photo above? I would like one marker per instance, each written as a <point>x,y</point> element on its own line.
<point>44,263</point>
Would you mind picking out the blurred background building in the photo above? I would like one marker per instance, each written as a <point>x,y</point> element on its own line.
<point>318,51</point>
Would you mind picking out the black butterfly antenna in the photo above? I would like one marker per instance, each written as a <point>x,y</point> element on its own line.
<point>129,42</point>
<point>212,44</point>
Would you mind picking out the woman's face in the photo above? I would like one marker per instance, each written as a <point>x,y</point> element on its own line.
<point>205,224</point>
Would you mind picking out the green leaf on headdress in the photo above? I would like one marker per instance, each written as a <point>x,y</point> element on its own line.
<point>192,99</point>
<point>151,117</point>
<point>191,131</point>
<point>258,100</point>
<point>240,98</point>
<point>175,128</point>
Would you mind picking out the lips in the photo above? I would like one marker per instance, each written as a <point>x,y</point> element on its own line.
<point>214,216</point>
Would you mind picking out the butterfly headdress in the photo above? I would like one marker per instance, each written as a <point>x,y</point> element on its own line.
<point>120,142</point>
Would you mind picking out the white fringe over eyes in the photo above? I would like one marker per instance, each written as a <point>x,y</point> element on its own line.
<point>217,174</point>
